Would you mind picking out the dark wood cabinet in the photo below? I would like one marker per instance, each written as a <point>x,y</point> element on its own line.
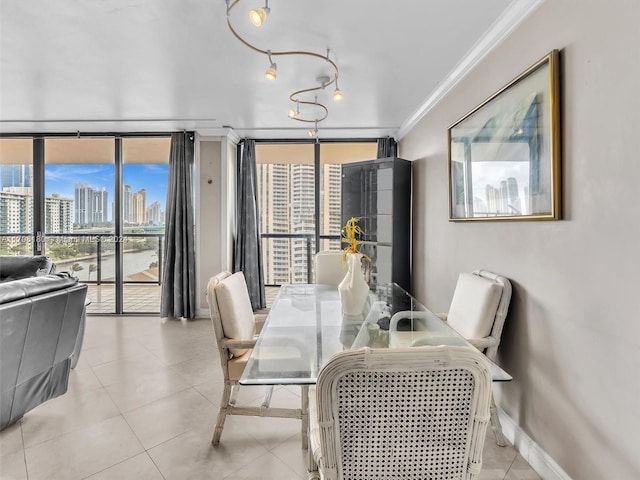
<point>378,192</point>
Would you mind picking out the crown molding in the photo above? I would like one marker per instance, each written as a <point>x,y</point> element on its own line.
<point>510,19</point>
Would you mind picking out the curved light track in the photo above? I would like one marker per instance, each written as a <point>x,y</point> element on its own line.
<point>295,97</point>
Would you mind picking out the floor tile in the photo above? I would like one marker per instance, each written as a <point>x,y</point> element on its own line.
<point>64,414</point>
<point>128,369</point>
<point>290,452</point>
<point>109,352</point>
<point>187,457</point>
<point>140,467</point>
<point>171,416</point>
<point>13,467</point>
<point>520,470</point>
<point>266,463</point>
<point>11,440</point>
<point>81,453</point>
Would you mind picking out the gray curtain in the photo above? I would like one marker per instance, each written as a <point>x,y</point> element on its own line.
<point>248,249</point>
<point>387,147</point>
<point>178,297</point>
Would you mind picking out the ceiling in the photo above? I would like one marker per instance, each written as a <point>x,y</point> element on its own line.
<point>159,65</point>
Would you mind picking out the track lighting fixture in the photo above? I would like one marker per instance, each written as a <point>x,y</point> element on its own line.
<point>313,131</point>
<point>272,71</point>
<point>337,93</point>
<point>294,112</point>
<point>259,15</point>
<point>313,111</point>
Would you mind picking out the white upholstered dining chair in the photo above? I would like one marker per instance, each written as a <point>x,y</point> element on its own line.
<point>330,267</point>
<point>478,310</point>
<point>236,328</point>
<point>418,412</point>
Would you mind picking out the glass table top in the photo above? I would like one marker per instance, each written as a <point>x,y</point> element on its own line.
<point>305,327</point>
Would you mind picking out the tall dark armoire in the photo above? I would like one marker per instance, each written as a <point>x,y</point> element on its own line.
<point>379,193</point>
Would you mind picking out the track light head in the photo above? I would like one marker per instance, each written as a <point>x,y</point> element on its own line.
<point>313,131</point>
<point>272,71</point>
<point>337,94</point>
<point>259,15</point>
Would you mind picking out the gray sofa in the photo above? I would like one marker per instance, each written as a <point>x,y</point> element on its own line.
<point>42,325</point>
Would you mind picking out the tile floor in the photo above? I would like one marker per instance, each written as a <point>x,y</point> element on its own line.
<point>141,405</point>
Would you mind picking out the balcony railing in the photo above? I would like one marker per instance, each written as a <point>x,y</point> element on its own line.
<point>296,267</point>
<point>85,253</point>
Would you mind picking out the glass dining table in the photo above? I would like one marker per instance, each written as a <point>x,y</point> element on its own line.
<point>306,326</point>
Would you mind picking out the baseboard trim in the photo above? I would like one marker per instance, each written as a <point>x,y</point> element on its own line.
<point>535,456</point>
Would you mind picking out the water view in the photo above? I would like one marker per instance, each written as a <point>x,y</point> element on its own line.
<point>138,266</point>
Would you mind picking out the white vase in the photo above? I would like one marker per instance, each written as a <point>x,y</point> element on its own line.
<point>353,288</point>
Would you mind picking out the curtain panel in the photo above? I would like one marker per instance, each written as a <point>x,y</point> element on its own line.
<point>387,147</point>
<point>178,298</point>
<point>248,247</point>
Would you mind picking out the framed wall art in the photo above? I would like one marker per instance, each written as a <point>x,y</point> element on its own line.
<point>504,155</point>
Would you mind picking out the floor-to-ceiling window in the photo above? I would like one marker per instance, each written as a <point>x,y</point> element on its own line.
<point>145,172</point>
<point>95,204</point>
<point>16,196</point>
<point>299,191</point>
<point>286,192</point>
<point>79,228</point>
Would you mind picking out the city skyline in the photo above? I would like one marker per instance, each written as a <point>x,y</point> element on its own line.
<point>61,179</point>
<point>90,203</point>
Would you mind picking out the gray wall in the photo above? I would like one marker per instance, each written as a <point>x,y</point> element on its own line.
<point>572,337</point>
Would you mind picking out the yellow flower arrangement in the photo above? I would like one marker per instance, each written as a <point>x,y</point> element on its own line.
<point>350,231</point>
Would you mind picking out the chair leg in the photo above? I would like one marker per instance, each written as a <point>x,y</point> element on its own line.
<point>312,466</point>
<point>234,394</point>
<point>495,424</point>
<point>304,416</point>
<point>222,414</point>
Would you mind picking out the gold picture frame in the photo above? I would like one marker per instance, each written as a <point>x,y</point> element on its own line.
<point>504,155</point>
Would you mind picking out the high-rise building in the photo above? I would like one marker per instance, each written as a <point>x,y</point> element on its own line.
<point>16,176</point>
<point>16,210</point>
<point>91,206</point>
<point>127,204</point>
<point>99,210</point>
<point>58,214</point>
<point>139,207</point>
<point>154,214</point>
<point>82,206</point>
<point>287,205</point>
<point>514,197</point>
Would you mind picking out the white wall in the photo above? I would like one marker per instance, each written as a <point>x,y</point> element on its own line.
<point>215,210</point>
<point>572,338</point>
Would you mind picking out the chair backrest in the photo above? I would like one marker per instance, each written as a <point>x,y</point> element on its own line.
<point>417,412</point>
<point>230,307</point>
<point>479,307</point>
<point>330,268</point>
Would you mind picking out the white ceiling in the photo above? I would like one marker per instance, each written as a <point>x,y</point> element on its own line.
<point>157,65</point>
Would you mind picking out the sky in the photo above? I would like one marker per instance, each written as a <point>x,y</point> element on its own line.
<point>61,179</point>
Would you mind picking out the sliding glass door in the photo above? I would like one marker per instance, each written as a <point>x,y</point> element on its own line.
<point>299,192</point>
<point>93,204</point>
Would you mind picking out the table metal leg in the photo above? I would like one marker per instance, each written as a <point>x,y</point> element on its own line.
<point>305,416</point>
